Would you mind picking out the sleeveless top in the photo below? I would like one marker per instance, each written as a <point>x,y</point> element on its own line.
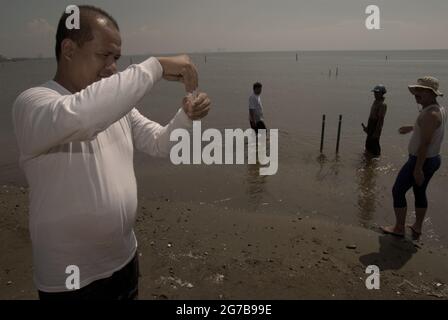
<point>436,142</point>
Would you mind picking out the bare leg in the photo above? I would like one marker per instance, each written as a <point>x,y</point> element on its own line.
<point>400,224</point>
<point>420,214</point>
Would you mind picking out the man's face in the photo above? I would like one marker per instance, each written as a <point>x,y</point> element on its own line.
<point>96,59</point>
<point>257,91</point>
<point>423,96</point>
<point>378,95</point>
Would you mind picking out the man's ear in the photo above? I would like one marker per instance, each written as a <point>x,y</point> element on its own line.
<point>68,48</point>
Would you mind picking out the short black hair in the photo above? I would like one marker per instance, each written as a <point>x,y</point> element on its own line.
<point>84,33</point>
<point>258,85</point>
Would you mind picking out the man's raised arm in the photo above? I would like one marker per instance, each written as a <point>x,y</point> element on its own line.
<point>44,119</point>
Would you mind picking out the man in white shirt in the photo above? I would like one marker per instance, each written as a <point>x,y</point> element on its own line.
<point>256,118</point>
<point>76,136</point>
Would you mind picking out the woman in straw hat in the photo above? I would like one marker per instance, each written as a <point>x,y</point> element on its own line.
<point>424,156</point>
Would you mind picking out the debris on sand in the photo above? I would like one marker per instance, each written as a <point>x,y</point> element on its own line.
<point>174,282</point>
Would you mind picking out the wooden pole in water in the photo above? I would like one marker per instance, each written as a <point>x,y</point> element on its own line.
<point>322,134</point>
<point>205,59</point>
<point>339,134</point>
<point>337,71</point>
<point>297,57</point>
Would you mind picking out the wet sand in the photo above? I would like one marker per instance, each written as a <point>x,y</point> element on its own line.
<point>200,251</point>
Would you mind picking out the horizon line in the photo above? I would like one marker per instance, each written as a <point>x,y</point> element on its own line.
<point>237,51</point>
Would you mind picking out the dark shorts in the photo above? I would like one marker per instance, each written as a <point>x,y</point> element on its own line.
<point>373,146</point>
<point>122,285</point>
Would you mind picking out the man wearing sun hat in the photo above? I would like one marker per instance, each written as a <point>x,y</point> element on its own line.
<point>424,156</point>
<point>376,121</point>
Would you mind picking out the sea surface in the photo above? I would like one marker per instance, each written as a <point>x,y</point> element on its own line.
<point>347,187</point>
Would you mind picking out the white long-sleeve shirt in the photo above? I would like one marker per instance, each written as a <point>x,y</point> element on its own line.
<point>77,154</point>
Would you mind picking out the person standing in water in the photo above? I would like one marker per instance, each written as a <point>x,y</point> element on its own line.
<point>376,121</point>
<point>424,156</point>
<point>256,118</point>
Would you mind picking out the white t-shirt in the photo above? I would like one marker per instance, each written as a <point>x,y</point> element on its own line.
<point>256,106</point>
<point>77,154</point>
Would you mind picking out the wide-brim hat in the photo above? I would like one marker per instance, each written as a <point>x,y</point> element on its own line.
<point>427,82</point>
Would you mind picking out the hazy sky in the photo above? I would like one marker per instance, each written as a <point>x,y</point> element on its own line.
<point>27,27</point>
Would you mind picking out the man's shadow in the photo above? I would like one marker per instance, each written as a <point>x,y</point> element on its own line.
<point>393,253</point>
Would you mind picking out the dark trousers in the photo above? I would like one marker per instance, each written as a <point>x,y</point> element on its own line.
<point>405,181</point>
<point>257,126</point>
<point>122,285</point>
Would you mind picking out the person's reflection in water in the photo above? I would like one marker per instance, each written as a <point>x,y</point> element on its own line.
<point>255,186</point>
<point>366,175</point>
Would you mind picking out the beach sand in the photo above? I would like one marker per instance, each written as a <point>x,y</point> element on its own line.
<point>199,251</point>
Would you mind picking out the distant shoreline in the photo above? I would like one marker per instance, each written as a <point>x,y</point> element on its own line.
<point>4,59</point>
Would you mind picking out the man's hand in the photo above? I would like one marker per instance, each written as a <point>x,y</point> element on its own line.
<point>419,177</point>
<point>197,108</point>
<point>181,69</point>
<point>406,129</point>
<point>364,127</point>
